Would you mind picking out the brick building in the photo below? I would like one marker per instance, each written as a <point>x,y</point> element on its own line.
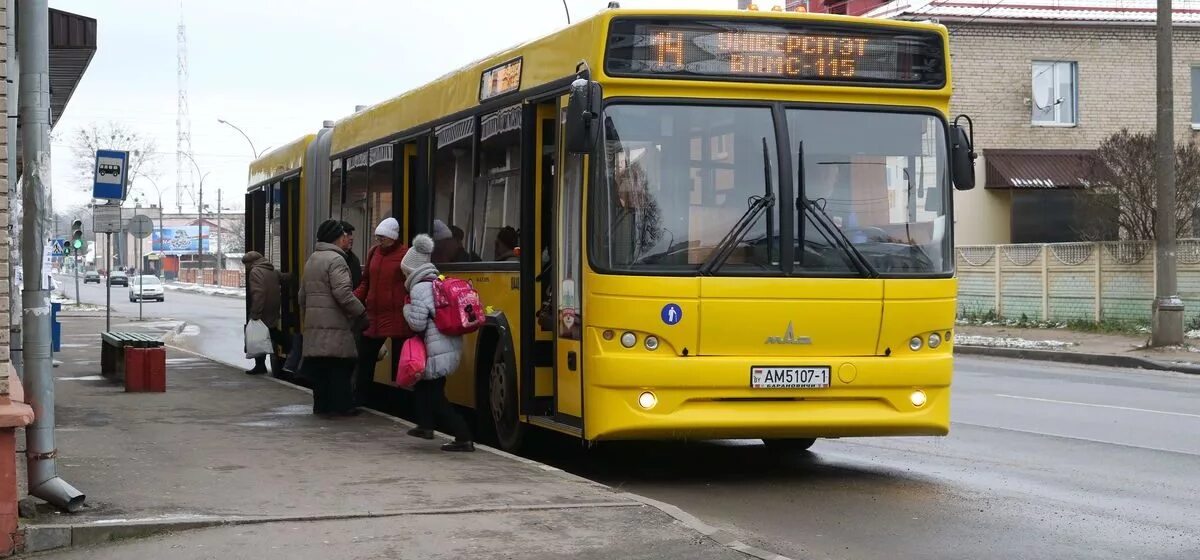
<point>1046,81</point>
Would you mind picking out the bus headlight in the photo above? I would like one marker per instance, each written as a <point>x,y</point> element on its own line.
<point>917,398</point>
<point>628,339</point>
<point>651,343</point>
<point>915,343</point>
<point>647,400</point>
<point>935,340</point>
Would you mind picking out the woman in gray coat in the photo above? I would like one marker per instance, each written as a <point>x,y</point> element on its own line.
<point>331,315</point>
<point>443,351</point>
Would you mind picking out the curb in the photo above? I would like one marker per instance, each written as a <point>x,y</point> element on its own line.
<point>41,538</point>
<point>1106,360</point>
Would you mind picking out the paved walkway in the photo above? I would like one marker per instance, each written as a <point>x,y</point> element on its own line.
<point>1119,350</point>
<point>241,460</point>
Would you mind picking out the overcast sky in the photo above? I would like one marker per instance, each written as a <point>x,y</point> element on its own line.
<point>277,69</point>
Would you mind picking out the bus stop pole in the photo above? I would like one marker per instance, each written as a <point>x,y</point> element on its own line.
<point>108,281</point>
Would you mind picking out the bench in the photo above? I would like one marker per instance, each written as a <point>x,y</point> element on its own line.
<point>112,351</point>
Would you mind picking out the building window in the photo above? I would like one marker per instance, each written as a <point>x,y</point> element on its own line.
<point>1196,97</point>
<point>1055,93</point>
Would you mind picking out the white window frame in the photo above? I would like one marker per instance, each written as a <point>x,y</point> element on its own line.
<point>1057,67</point>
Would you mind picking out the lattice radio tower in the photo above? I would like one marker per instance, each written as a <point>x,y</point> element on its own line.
<point>183,122</point>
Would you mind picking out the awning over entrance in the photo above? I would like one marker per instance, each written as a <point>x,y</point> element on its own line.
<point>72,46</point>
<point>1041,169</point>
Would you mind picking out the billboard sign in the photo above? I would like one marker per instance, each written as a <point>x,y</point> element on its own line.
<point>181,240</point>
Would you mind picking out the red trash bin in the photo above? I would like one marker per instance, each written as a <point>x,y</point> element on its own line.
<point>145,370</point>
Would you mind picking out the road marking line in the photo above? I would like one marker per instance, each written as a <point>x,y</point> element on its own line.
<point>1078,438</point>
<point>1185,414</point>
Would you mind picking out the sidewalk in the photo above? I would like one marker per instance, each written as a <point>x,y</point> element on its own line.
<point>1062,345</point>
<point>240,460</point>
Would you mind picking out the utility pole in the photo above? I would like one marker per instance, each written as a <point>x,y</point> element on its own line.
<point>1168,307</point>
<point>200,227</point>
<point>220,255</point>
<point>33,43</point>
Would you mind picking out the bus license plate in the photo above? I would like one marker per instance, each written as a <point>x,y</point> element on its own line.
<point>802,377</point>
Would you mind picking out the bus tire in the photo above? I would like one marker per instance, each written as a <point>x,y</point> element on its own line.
<point>503,401</point>
<point>791,445</point>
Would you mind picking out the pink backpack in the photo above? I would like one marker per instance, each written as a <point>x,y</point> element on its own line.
<point>457,309</point>
<point>412,362</point>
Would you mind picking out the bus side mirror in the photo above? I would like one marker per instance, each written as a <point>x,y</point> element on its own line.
<point>583,117</point>
<point>962,154</point>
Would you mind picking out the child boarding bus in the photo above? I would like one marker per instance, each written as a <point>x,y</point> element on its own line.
<point>686,224</point>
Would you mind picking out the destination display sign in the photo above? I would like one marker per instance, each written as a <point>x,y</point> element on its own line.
<point>499,80</point>
<point>757,51</point>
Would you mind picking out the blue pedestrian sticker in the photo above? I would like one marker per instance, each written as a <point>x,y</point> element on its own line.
<point>671,314</point>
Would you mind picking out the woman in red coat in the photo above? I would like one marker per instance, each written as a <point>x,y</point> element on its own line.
<point>382,291</point>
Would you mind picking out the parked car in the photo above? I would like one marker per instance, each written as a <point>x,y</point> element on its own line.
<point>118,277</point>
<point>145,287</point>
<point>91,276</point>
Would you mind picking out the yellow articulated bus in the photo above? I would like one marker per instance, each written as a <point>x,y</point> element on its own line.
<point>689,224</point>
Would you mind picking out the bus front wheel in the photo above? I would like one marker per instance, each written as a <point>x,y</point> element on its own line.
<point>503,402</point>
<point>789,445</point>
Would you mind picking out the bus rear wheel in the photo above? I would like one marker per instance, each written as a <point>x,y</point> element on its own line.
<point>790,445</point>
<point>503,403</point>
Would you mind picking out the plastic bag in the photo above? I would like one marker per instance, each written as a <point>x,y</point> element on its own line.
<point>412,362</point>
<point>258,340</point>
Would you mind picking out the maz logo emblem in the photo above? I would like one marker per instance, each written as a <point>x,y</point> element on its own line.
<point>789,337</point>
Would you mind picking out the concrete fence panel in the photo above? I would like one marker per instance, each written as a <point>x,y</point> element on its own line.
<point>1069,281</point>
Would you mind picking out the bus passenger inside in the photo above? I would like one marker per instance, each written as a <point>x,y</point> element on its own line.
<point>507,241</point>
<point>448,244</point>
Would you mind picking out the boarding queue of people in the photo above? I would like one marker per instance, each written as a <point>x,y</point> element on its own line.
<point>350,310</point>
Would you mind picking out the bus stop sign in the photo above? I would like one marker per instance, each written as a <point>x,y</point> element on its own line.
<point>112,173</point>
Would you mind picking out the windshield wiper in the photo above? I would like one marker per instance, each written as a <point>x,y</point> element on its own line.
<point>743,225</point>
<point>824,222</point>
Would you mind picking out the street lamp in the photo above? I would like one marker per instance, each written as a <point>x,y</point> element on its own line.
<point>161,240</point>
<point>243,133</point>
<point>200,214</point>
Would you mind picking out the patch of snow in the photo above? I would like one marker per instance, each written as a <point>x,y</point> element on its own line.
<point>1192,334</point>
<point>1010,342</point>
<point>206,290</point>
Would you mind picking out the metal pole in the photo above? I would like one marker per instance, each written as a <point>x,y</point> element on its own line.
<point>1168,307</point>
<point>108,282</point>
<point>34,117</point>
<point>162,246</point>
<point>78,296</point>
<point>138,275</point>
<point>200,233</point>
<point>220,255</point>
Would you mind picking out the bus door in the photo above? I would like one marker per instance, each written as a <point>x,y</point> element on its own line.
<point>568,258</point>
<point>537,335</point>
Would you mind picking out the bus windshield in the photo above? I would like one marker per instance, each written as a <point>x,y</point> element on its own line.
<point>679,177</point>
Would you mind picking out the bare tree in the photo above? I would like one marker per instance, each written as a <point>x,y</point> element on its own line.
<point>110,136</point>
<point>1123,186</point>
<point>234,235</point>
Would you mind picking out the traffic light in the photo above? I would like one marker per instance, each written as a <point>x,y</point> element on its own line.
<point>77,235</point>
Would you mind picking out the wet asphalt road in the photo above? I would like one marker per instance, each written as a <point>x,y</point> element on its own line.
<point>1043,461</point>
